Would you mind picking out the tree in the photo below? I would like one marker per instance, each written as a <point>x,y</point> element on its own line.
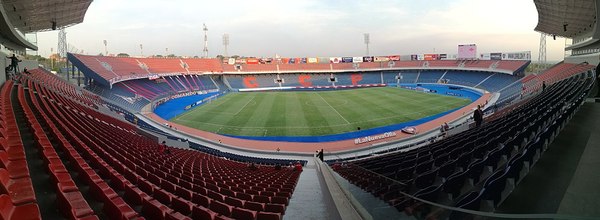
<point>122,55</point>
<point>171,55</point>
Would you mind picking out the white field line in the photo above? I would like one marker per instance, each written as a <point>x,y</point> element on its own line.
<point>347,122</point>
<point>244,106</point>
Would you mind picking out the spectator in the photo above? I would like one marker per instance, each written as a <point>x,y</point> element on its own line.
<point>444,129</point>
<point>277,166</point>
<point>162,146</point>
<point>298,166</point>
<point>320,154</point>
<point>478,116</point>
<point>14,63</point>
<point>543,86</point>
<point>252,166</point>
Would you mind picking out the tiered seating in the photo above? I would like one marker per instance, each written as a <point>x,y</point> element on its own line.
<point>480,64</point>
<point>71,202</point>
<point>17,197</point>
<point>561,71</point>
<point>512,65</point>
<point>128,67</point>
<point>313,79</point>
<point>204,82</point>
<point>442,63</point>
<point>305,67</point>
<point>66,88</point>
<point>498,81</point>
<point>357,78</point>
<point>164,65</point>
<point>270,68</point>
<point>176,184</point>
<point>242,158</point>
<point>466,78</point>
<point>201,65</point>
<point>479,164</point>
<point>430,76</point>
<point>411,63</point>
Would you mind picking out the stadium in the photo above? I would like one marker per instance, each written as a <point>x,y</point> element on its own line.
<point>456,135</point>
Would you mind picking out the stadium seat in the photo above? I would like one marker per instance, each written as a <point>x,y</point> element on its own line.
<point>203,213</point>
<point>26,211</point>
<point>268,216</point>
<point>220,208</point>
<point>181,205</point>
<point>243,214</point>
<point>255,206</point>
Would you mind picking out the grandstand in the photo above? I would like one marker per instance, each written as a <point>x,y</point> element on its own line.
<point>108,148</point>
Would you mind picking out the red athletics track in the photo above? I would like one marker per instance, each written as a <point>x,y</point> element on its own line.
<point>312,147</point>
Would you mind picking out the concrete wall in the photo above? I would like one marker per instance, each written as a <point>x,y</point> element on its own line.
<point>3,64</point>
<point>593,59</point>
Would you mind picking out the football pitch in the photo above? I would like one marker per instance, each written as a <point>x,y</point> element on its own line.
<point>314,113</point>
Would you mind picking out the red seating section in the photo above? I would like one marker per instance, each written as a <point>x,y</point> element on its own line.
<point>181,184</point>
<point>17,198</point>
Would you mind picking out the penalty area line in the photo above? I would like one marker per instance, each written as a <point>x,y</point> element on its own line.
<point>347,122</point>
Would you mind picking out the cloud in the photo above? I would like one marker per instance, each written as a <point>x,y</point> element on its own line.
<point>304,28</point>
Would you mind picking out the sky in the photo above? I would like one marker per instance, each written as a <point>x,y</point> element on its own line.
<point>306,28</point>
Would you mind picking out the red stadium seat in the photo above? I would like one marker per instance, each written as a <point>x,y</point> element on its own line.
<point>255,206</point>
<point>176,216</point>
<point>220,208</point>
<point>268,216</point>
<point>163,196</point>
<point>201,200</point>
<point>203,213</point>
<point>279,200</point>
<point>181,205</point>
<point>118,209</point>
<point>73,205</point>
<point>243,214</point>
<point>29,211</point>
<point>277,208</point>
<point>153,209</point>
<point>234,202</point>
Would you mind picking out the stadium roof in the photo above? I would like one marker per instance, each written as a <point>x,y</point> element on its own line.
<point>39,15</point>
<point>565,18</point>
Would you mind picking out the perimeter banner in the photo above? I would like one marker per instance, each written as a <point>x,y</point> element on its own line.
<point>335,60</point>
<point>524,55</point>
<point>347,59</point>
<point>495,56</point>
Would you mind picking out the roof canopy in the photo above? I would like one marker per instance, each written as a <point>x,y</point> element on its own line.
<point>565,18</point>
<point>39,15</point>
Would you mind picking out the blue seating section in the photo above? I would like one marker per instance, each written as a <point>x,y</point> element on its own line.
<point>119,95</point>
<point>498,81</point>
<point>511,92</point>
<point>466,78</point>
<point>474,165</point>
<point>430,76</point>
<point>357,78</point>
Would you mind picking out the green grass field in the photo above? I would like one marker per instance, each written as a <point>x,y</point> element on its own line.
<point>308,113</point>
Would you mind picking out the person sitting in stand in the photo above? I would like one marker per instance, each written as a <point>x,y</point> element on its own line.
<point>162,146</point>
<point>252,166</point>
<point>298,166</point>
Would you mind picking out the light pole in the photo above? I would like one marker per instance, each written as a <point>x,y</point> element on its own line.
<point>226,43</point>
<point>105,48</point>
<point>367,41</point>
<point>141,50</point>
